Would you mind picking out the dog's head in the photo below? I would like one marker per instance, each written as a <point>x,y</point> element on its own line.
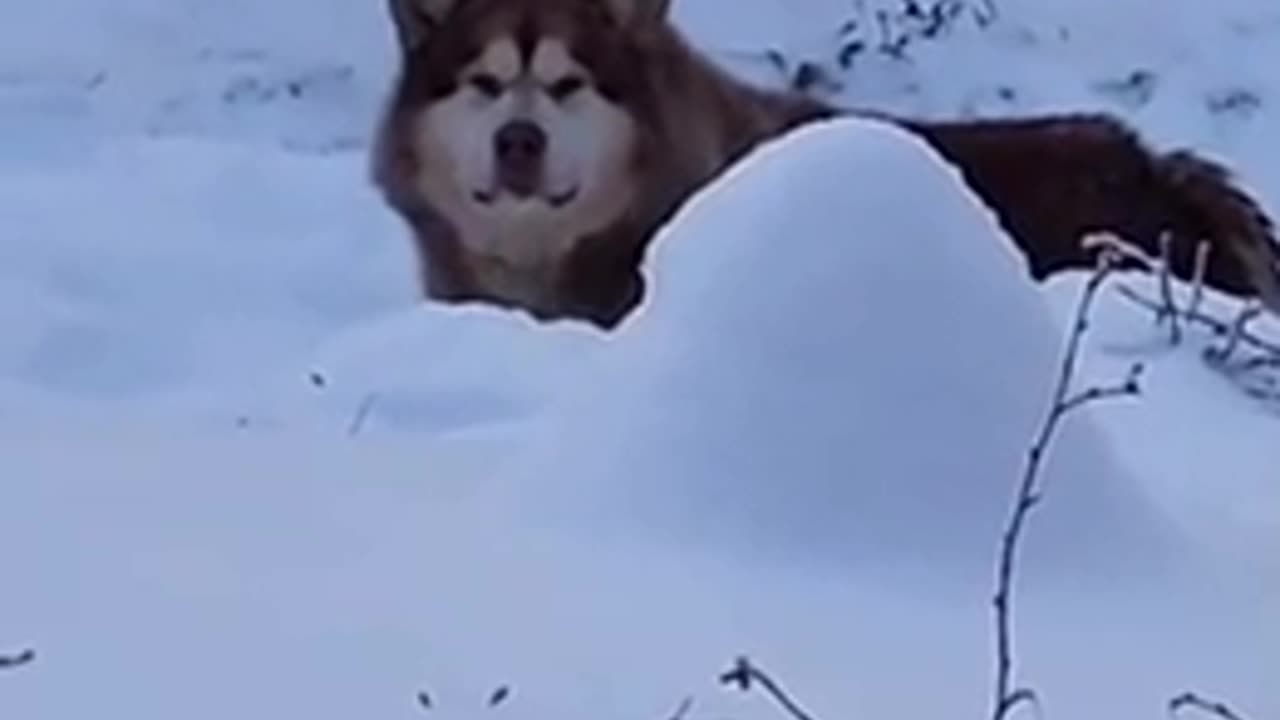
<point>520,116</point>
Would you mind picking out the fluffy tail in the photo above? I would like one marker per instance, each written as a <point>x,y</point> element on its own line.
<point>1054,179</point>
<point>1216,210</point>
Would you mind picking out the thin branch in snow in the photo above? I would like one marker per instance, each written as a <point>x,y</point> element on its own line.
<point>1118,249</point>
<point>1245,358</point>
<point>1007,696</point>
<point>682,710</point>
<point>745,675</point>
<point>1237,329</point>
<point>9,662</point>
<point>1129,388</point>
<point>1256,374</point>
<point>500,694</point>
<point>986,12</point>
<point>1197,277</point>
<point>362,414</point>
<point>1235,334</point>
<point>1190,700</point>
<point>1169,307</point>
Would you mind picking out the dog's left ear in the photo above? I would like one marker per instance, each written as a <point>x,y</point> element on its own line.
<point>416,19</point>
<point>639,12</point>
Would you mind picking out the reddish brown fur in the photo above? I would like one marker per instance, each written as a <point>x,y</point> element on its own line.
<point>1053,179</point>
<point>647,70</point>
<point>1048,179</point>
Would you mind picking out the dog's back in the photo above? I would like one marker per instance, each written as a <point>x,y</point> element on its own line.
<point>1052,180</point>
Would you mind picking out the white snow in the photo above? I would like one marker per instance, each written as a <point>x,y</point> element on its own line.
<point>244,474</point>
<point>883,374</point>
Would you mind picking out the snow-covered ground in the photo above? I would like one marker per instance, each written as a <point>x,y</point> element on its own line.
<point>244,474</point>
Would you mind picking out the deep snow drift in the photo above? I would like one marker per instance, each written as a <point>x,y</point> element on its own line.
<point>274,571</point>
<point>817,373</point>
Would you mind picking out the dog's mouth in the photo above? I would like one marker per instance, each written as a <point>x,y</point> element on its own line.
<point>554,200</point>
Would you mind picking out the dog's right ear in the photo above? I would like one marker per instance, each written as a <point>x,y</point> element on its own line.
<point>416,19</point>
<point>635,12</point>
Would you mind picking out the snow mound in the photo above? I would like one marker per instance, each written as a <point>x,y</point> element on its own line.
<point>1203,447</point>
<point>442,368</point>
<point>841,359</point>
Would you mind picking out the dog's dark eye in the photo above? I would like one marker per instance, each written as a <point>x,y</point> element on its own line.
<point>564,87</point>
<point>486,85</point>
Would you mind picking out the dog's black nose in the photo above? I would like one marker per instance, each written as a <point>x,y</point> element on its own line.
<point>520,141</point>
<point>519,147</point>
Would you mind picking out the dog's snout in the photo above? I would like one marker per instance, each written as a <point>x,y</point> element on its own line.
<point>519,146</point>
<point>520,141</point>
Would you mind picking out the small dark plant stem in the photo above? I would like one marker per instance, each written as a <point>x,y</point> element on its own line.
<point>1235,334</point>
<point>9,662</point>
<point>1236,330</point>
<point>1006,696</point>
<point>362,414</point>
<point>745,675</point>
<point>1197,278</point>
<point>1169,310</point>
<point>682,710</point>
<point>1192,701</point>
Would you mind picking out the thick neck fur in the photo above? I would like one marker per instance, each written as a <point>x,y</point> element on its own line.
<point>704,120</point>
<point>696,120</point>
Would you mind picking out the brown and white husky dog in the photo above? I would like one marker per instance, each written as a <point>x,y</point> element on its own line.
<point>534,147</point>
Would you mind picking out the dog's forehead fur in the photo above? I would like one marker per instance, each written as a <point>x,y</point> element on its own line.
<point>587,29</point>
<point>592,35</point>
<point>529,21</point>
<point>550,61</point>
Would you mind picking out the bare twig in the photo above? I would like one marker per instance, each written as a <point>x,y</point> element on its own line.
<point>1235,334</point>
<point>1256,372</point>
<point>1169,308</point>
<point>362,414</point>
<point>1128,388</point>
<point>9,662</point>
<point>1190,700</point>
<point>744,675</point>
<point>1219,327</point>
<point>498,696</point>
<point>1197,277</point>
<point>1118,249</point>
<point>986,13</point>
<point>682,710</point>
<point>1065,400</point>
